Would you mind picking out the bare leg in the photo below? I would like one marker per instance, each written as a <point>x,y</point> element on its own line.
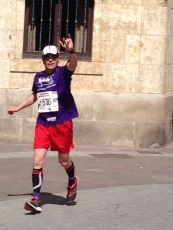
<point>64,160</point>
<point>70,170</point>
<point>39,158</point>
<point>37,180</point>
<point>37,173</point>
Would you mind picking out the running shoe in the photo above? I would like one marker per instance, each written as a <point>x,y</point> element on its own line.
<point>72,191</point>
<point>33,205</point>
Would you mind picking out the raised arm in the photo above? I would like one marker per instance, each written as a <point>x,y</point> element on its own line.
<point>29,101</point>
<point>67,44</point>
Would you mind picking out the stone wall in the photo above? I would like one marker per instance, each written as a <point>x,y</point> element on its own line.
<point>124,95</point>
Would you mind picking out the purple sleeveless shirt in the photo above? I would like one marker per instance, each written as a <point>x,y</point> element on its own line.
<point>60,82</point>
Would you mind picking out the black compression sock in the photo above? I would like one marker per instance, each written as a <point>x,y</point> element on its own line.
<point>71,172</point>
<point>37,180</point>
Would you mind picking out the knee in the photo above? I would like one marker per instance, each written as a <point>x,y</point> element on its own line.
<point>38,162</point>
<point>64,162</point>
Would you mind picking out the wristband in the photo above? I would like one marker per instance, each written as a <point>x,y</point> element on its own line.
<point>72,51</point>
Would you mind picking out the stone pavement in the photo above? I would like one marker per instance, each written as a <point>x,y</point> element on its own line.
<point>120,189</point>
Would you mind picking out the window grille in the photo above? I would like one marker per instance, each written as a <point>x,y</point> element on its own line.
<point>48,21</point>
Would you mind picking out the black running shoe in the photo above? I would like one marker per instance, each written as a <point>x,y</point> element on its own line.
<point>72,191</point>
<point>33,205</point>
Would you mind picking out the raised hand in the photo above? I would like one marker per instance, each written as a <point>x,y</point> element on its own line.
<point>67,43</point>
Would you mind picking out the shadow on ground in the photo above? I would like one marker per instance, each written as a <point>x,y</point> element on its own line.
<point>46,198</point>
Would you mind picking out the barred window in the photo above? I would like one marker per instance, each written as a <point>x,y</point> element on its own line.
<point>48,21</point>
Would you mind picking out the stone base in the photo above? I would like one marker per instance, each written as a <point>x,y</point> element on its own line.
<point>106,119</point>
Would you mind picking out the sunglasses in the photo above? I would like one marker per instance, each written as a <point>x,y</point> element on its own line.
<point>50,56</point>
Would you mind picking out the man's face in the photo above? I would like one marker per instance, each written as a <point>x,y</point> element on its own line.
<point>50,62</point>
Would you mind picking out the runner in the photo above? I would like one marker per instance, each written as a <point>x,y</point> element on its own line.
<point>54,126</point>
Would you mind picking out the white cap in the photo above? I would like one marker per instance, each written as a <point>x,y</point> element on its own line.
<point>50,50</point>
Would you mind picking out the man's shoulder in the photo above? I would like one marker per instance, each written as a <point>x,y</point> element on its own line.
<point>40,73</point>
<point>65,70</point>
<point>61,67</point>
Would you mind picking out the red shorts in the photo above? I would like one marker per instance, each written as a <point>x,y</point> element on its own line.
<point>58,137</point>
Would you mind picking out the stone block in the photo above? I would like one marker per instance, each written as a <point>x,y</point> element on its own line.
<point>21,81</point>
<point>91,82</point>
<point>168,80</point>
<point>94,133</point>
<point>168,131</point>
<point>26,65</point>
<point>124,78</point>
<point>7,15</point>
<point>125,2</point>
<point>20,9</point>
<point>27,134</point>
<point>132,49</point>
<point>85,103</point>
<point>88,68</point>
<point>98,17</point>
<point>3,103</point>
<point>18,45</point>
<point>4,73</point>
<point>153,49</point>
<point>170,22</point>
<point>104,107</point>
<point>10,130</point>
<point>96,57</point>
<point>113,54</point>
<point>98,2</point>
<point>169,3</point>
<point>162,3</point>
<point>169,50</point>
<point>128,108</point>
<point>97,33</point>
<point>5,38</point>
<point>155,20</point>
<point>151,78</point>
<point>169,107</point>
<point>150,134</point>
<point>122,19</point>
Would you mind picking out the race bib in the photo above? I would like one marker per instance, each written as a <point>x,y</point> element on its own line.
<point>47,102</point>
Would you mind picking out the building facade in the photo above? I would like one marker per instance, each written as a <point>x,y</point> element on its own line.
<point>124,93</point>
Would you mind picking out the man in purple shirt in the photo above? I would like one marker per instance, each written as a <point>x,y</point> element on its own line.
<point>54,127</point>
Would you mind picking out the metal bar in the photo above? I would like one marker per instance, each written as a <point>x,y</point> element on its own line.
<point>59,25</point>
<point>75,26</point>
<point>67,22</point>
<point>50,21</point>
<point>84,28</point>
<point>41,27</point>
<point>32,26</point>
<point>67,19</point>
